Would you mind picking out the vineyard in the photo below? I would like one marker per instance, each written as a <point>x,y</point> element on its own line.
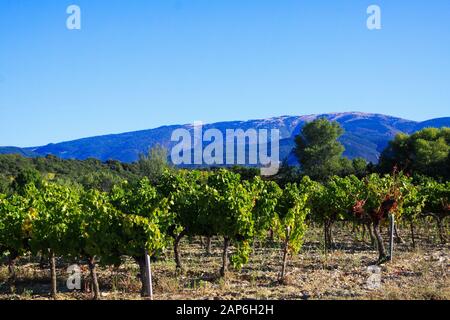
<point>214,229</point>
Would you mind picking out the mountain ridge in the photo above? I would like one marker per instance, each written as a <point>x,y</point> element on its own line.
<point>366,135</point>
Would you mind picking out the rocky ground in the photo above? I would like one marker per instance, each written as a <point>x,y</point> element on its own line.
<point>345,273</point>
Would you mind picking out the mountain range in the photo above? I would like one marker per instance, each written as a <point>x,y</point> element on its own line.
<point>366,135</point>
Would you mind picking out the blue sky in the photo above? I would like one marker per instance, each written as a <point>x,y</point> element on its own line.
<point>139,64</point>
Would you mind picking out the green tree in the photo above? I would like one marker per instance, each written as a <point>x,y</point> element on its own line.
<point>345,167</point>
<point>318,149</point>
<point>153,164</point>
<point>447,167</point>
<point>424,152</point>
<point>4,184</point>
<point>360,167</point>
<point>25,177</point>
<point>101,180</point>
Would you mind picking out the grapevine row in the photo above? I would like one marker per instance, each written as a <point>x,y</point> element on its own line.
<point>134,218</point>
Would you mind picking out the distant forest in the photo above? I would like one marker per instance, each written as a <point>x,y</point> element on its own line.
<point>425,152</point>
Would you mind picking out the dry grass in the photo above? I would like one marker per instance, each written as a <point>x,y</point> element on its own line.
<point>342,274</point>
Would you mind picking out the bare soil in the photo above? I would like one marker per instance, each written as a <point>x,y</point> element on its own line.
<point>420,273</point>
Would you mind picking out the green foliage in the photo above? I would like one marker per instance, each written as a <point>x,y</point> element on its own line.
<point>345,167</point>
<point>232,204</point>
<point>376,188</point>
<point>246,173</point>
<point>153,164</point>
<point>437,197</point>
<point>414,200</point>
<point>25,177</point>
<point>145,218</point>
<point>15,223</point>
<point>17,171</point>
<point>288,174</point>
<point>4,184</point>
<point>360,167</point>
<point>188,202</point>
<point>56,226</point>
<point>383,194</point>
<point>334,200</point>
<point>341,195</point>
<point>424,152</point>
<point>318,149</point>
<point>447,167</point>
<point>102,181</point>
<point>230,215</point>
<point>292,210</point>
<point>266,194</point>
<point>100,228</point>
<point>318,203</point>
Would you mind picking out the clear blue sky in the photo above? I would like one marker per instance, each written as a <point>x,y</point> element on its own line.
<point>139,64</point>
